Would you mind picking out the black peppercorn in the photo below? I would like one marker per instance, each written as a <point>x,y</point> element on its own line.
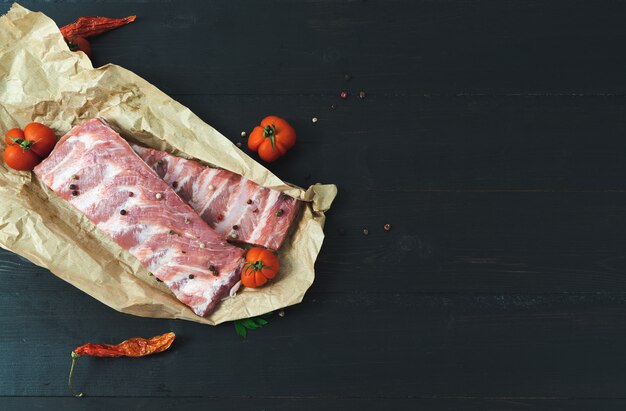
<point>249,201</point>
<point>211,268</point>
<point>74,193</point>
<point>235,227</point>
<point>279,212</point>
<point>191,276</point>
<point>123,212</point>
<point>175,184</point>
<point>72,186</point>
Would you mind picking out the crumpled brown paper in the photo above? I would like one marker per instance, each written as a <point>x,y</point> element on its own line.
<point>42,80</point>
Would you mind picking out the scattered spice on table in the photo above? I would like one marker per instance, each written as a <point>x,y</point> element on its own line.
<point>344,94</point>
<point>362,94</point>
<point>243,134</point>
<point>366,231</point>
<point>133,347</point>
<point>387,227</point>
<point>314,120</point>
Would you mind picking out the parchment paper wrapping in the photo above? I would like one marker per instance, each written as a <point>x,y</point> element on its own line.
<point>41,80</point>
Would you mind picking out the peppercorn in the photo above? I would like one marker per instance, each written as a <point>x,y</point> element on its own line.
<point>187,221</point>
<point>243,134</point>
<point>249,201</point>
<point>158,196</point>
<point>130,194</point>
<point>74,177</point>
<point>387,227</point>
<point>235,227</point>
<point>72,186</point>
<point>344,94</point>
<point>239,144</point>
<point>211,268</point>
<point>74,193</point>
<point>362,94</point>
<point>279,212</point>
<point>123,212</point>
<point>174,184</point>
<point>314,119</point>
<point>191,276</point>
<point>171,232</point>
<point>365,231</point>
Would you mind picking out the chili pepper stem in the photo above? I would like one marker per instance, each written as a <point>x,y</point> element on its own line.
<point>69,379</point>
<point>270,131</point>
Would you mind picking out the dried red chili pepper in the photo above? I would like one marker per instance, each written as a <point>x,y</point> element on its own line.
<point>133,347</point>
<point>92,26</point>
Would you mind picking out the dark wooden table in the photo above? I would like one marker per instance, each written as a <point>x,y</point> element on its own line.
<point>492,137</point>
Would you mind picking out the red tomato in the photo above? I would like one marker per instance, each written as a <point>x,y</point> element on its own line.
<point>19,158</point>
<point>41,138</point>
<point>261,265</point>
<point>272,138</point>
<point>79,43</point>
<point>14,133</point>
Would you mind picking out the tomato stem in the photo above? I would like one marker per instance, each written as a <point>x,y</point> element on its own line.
<point>25,144</point>
<point>257,265</point>
<point>270,131</point>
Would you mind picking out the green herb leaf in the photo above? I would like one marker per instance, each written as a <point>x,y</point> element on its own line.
<point>249,324</point>
<point>240,329</point>
<point>253,323</point>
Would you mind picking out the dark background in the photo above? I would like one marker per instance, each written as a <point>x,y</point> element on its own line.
<point>491,138</point>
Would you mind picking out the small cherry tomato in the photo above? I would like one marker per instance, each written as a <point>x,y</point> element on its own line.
<point>261,265</point>
<point>12,135</point>
<point>79,43</point>
<point>272,138</point>
<point>20,158</point>
<point>42,139</point>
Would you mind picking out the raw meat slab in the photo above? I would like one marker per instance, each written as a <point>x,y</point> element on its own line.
<point>128,201</point>
<point>236,208</point>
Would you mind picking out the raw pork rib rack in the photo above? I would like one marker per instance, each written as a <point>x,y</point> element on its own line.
<point>237,208</point>
<point>96,170</point>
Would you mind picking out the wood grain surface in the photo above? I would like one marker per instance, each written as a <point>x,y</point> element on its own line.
<point>491,137</point>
